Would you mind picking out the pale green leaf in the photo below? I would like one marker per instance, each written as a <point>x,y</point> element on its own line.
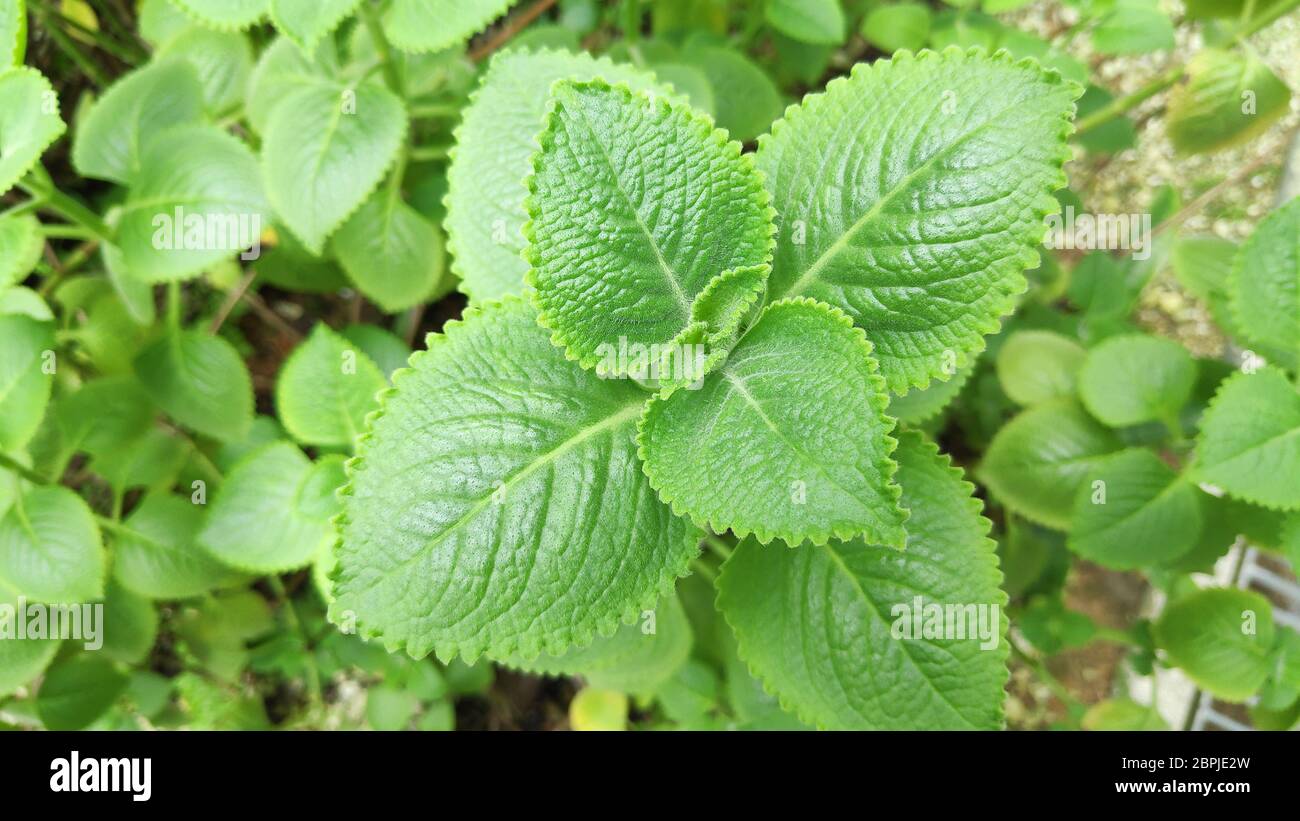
<point>29,122</point>
<point>919,225</point>
<point>200,381</point>
<point>196,201</point>
<point>1121,714</point>
<point>829,628</point>
<point>157,553</point>
<point>325,390</point>
<point>470,522</point>
<point>20,661</point>
<point>635,660</point>
<point>223,60</point>
<point>1204,266</point>
<point>746,101</point>
<point>50,549</point>
<point>13,32</point>
<point>1265,286</point>
<point>1133,27</point>
<point>21,244</point>
<point>130,625</point>
<point>281,70</point>
<point>635,206</point>
<point>922,405</point>
<point>391,253</point>
<point>1250,439</point>
<point>1134,378</point>
<point>433,25</point>
<point>111,136</point>
<point>897,26</point>
<point>495,143</point>
<point>1220,638</point>
<point>1134,511</point>
<point>77,691</point>
<point>225,15</point>
<point>326,149</point>
<point>1036,366</point>
<point>809,21</point>
<point>1037,462</point>
<point>26,377</point>
<point>272,513</point>
<point>800,402</point>
<point>307,22</point>
<point>383,347</point>
<point>1228,98</point>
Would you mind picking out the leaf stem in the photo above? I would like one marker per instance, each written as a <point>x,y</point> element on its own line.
<point>9,463</point>
<point>385,51</point>
<point>42,189</point>
<point>67,232</point>
<point>174,307</point>
<point>718,546</point>
<point>434,111</point>
<point>515,25</point>
<point>699,566</point>
<point>430,153</point>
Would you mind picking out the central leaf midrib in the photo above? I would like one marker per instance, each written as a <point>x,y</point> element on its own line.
<point>683,301</point>
<point>625,414</point>
<point>799,286</point>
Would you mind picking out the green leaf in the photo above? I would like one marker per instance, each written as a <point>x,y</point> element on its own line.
<point>1134,511</point>
<point>26,354</point>
<point>1110,137</point>
<point>130,625</point>
<point>21,243</point>
<point>918,226</point>
<point>433,25</point>
<point>809,21</point>
<point>20,661</point>
<point>1122,714</point>
<point>272,513</point>
<point>326,149</point>
<point>196,201</point>
<point>829,628</point>
<point>920,406</point>
<point>1204,266</point>
<point>223,60</point>
<point>1133,27</point>
<point>281,70</point>
<point>326,388</point>
<point>801,398</point>
<point>111,136</point>
<point>897,26</point>
<point>468,525</point>
<point>225,15</point>
<point>1250,440</point>
<point>1228,98</point>
<point>13,32</point>
<point>635,660</point>
<point>746,99</point>
<point>157,553</point>
<point>307,22</point>
<point>495,143</point>
<point>593,709</point>
<point>29,122</point>
<point>200,381</point>
<point>625,234</point>
<point>391,252</point>
<point>50,549</point>
<point>382,346</point>
<point>1037,366</point>
<point>78,691</point>
<point>1265,285</point>
<point>160,20</point>
<point>1134,378</point>
<point>1037,462</point>
<point>1220,638</point>
<point>389,709</point>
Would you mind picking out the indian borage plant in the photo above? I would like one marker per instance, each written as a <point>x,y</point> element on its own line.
<point>509,500</point>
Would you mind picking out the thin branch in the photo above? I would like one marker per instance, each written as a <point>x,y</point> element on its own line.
<point>515,25</point>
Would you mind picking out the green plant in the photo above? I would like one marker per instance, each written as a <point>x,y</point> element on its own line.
<point>688,441</point>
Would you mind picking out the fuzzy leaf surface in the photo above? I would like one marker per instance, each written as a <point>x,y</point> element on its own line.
<point>1249,443</point>
<point>498,506</point>
<point>914,203</point>
<point>816,623</point>
<point>788,439</point>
